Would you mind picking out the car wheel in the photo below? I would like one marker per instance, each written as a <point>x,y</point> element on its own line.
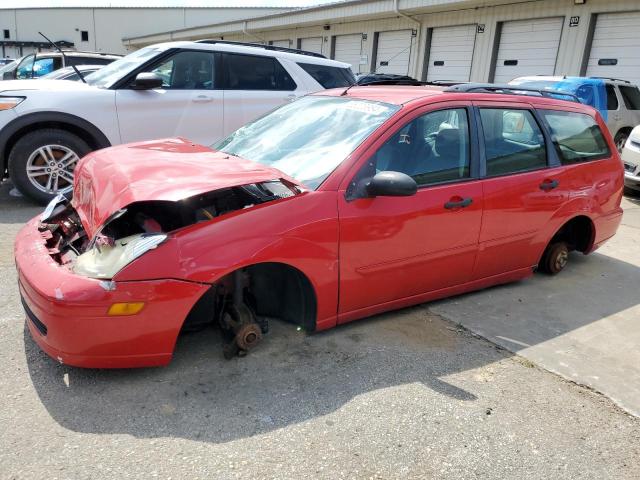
<point>620,139</point>
<point>41,163</point>
<point>555,258</point>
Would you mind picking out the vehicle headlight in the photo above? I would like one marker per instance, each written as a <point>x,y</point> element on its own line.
<point>7,103</point>
<point>107,260</point>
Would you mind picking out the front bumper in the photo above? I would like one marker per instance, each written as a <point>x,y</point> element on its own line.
<point>67,313</point>
<point>631,159</point>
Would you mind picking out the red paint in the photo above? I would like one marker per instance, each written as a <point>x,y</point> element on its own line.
<point>362,257</point>
<point>170,169</point>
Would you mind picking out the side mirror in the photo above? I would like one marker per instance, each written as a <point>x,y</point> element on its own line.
<point>146,81</point>
<point>391,184</point>
<point>8,75</point>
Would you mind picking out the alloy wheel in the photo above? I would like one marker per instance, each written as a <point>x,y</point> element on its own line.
<point>50,168</point>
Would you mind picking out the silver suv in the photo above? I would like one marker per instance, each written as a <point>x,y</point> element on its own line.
<point>617,100</point>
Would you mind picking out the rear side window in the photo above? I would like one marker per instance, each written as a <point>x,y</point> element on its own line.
<point>631,96</point>
<point>576,136</point>
<point>513,141</point>
<point>252,72</point>
<point>612,100</point>
<point>329,77</point>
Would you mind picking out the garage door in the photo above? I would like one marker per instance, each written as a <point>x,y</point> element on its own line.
<point>313,44</point>
<point>394,52</point>
<point>280,43</point>
<point>451,53</point>
<point>615,51</point>
<point>347,49</point>
<point>528,47</point>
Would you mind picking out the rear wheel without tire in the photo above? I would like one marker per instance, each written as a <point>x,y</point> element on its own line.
<point>42,162</point>
<point>555,258</point>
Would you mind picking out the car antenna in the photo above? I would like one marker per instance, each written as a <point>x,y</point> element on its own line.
<point>63,56</point>
<point>375,70</point>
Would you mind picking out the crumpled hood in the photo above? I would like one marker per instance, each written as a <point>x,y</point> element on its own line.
<point>171,169</point>
<point>42,84</point>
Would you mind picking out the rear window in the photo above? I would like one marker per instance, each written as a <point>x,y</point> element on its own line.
<point>252,72</point>
<point>576,136</point>
<point>631,96</point>
<point>329,77</point>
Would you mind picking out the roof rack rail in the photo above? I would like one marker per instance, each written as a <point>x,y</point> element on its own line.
<point>510,90</point>
<point>611,78</point>
<point>266,47</point>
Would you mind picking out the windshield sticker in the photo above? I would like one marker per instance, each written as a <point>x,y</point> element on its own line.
<point>366,107</point>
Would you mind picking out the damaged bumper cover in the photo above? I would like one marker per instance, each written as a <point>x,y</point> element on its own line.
<point>68,314</point>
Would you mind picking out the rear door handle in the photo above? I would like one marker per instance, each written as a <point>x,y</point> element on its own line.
<point>291,98</point>
<point>453,204</point>
<point>549,185</point>
<point>203,99</point>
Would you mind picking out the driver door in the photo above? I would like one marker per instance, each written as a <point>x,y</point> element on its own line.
<point>188,105</point>
<point>392,248</point>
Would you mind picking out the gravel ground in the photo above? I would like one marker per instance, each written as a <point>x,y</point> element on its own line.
<point>401,395</point>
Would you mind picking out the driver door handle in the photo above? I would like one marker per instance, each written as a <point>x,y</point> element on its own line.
<point>203,99</point>
<point>548,185</point>
<point>455,204</point>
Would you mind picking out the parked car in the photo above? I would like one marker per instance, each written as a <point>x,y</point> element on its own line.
<point>344,204</point>
<point>618,101</point>
<point>39,64</point>
<point>631,159</point>
<point>6,61</point>
<point>70,73</point>
<point>199,90</point>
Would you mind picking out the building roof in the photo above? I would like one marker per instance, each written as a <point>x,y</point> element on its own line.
<point>101,4</point>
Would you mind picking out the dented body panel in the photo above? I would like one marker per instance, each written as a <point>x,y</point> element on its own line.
<point>171,170</point>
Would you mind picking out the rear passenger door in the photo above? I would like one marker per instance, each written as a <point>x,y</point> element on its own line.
<point>253,86</point>
<point>523,186</point>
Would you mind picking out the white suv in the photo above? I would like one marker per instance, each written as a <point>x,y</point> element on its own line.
<point>199,90</point>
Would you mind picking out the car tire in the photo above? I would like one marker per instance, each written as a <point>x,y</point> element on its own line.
<point>41,163</point>
<point>555,258</point>
<point>620,139</point>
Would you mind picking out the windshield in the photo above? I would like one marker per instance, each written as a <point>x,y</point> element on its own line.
<point>113,72</point>
<point>309,138</point>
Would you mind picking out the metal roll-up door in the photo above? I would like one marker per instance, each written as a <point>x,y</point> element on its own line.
<point>451,53</point>
<point>348,49</point>
<point>528,47</point>
<point>394,52</point>
<point>615,50</point>
<point>313,44</point>
<point>280,43</point>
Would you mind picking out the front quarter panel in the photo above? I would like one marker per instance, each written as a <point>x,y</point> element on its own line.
<point>300,231</point>
<point>95,105</point>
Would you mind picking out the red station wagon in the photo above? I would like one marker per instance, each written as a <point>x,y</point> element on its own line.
<point>338,206</point>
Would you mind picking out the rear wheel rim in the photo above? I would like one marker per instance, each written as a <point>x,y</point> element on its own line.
<point>561,260</point>
<point>50,168</point>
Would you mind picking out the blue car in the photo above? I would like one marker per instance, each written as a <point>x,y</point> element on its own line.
<point>617,100</point>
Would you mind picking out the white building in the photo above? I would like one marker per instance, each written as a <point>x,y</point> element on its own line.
<point>477,40</point>
<point>102,29</point>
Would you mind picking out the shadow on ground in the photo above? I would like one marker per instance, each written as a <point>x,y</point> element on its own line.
<point>290,378</point>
